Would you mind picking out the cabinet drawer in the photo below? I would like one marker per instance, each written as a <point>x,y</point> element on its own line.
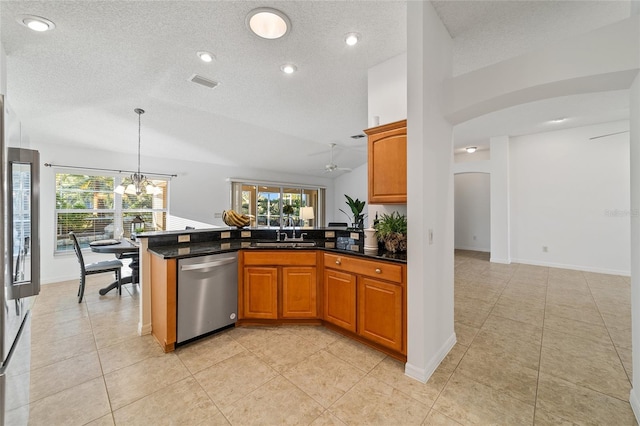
<point>280,258</point>
<point>380,270</point>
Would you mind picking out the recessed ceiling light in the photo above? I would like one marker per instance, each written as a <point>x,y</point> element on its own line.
<point>206,56</point>
<point>471,149</point>
<point>36,23</point>
<point>558,120</point>
<point>288,68</point>
<point>351,39</point>
<point>268,23</point>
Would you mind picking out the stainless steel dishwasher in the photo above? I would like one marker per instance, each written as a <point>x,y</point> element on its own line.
<point>207,294</point>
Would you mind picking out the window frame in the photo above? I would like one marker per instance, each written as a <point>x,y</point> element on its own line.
<point>118,211</point>
<point>236,199</point>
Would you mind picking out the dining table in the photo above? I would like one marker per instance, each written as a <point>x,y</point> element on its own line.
<point>122,249</point>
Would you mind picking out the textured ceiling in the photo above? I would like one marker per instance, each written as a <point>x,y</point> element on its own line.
<point>78,85</point>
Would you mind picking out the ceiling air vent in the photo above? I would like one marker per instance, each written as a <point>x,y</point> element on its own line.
<point>198,79</point>
<point>359,136</point>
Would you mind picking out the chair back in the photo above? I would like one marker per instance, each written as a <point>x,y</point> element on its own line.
<point>78,250</point>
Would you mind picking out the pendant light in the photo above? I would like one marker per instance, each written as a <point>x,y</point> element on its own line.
<point>138,181</point>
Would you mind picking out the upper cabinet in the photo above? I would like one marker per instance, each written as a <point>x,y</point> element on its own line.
<point>388,163</point>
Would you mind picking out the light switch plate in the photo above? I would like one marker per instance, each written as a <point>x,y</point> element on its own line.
<point>184,238</point>
<point>224,235</point>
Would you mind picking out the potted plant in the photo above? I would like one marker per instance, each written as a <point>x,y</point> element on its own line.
<point>356,207</point>
<point>391,229</point>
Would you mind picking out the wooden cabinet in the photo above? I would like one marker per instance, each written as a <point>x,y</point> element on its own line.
<point>380,312</point>
<point>278,285</point>
<point>164,279</point>
<point>260,289</point>
<point>367,298</point>
<point>387,162</point>
<point>340,299</point>
<point>299,292</point>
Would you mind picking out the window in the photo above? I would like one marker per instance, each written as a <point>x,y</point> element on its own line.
<point>87,205</point>
<point>267,203</point>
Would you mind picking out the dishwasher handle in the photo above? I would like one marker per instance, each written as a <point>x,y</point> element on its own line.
<point>198,266</point>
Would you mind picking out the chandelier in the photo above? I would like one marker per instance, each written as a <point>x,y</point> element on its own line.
<point>137,182</point>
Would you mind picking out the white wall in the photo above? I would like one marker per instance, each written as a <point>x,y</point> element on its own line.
<point>3,71</point>
<point>353,184</point>
<point>387,90</point>
<point>571,194</point>
<point>472,211</point>
<point>199,191</point>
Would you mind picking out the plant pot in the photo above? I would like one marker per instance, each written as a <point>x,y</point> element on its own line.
<point>396,242</point>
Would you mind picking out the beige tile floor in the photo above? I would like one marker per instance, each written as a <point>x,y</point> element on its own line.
<point>535,345</point>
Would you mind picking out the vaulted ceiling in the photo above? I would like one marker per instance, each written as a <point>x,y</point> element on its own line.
<point>78,84</point>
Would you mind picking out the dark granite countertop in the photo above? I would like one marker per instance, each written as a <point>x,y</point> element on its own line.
<point>184,250</point>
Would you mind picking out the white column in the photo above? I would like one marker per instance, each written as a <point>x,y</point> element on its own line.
<point>429,194</point>
<point>500,234</point>
<point>634,397</point>
<point>634,148</point>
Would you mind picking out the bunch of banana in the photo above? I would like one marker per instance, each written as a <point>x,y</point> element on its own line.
<point>233,218</point>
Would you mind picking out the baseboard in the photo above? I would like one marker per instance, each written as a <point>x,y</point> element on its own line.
<point>635,404</point>
<point>503,261</point>
<point>573,267</point>
<point>470,248</point>
<point>144,329</point>
<point>423,374</point>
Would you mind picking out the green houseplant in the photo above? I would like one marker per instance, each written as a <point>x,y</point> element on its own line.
<point>356,207</point>
<point>391,229</point>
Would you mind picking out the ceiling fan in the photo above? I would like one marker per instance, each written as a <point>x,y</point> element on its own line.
<point>332,167</point>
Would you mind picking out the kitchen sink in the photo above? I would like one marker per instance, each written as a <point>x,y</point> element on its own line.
<point>283,244</point>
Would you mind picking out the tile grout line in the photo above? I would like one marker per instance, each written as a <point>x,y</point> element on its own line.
<point>544,315</point>
<point>615,348</point>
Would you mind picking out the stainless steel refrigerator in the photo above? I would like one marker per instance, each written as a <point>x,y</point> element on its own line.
<point>19,235</point>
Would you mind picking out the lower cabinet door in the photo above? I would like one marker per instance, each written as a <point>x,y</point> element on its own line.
<point>299,292</point>
<point>260,292</point>
<point>340,299</point>
<point>380,312</point>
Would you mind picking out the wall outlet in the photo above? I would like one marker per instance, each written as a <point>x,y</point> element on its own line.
<point>545,249</point>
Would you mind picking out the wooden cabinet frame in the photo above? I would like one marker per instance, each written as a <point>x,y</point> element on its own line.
<point>387,163</point>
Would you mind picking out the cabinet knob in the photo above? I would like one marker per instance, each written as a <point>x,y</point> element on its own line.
<point>378,271</point>
<point>338,262</point>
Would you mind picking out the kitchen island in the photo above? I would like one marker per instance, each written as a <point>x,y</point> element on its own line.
<point>329,281</point>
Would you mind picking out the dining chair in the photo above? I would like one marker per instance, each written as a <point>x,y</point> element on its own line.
<point>95,268</point>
